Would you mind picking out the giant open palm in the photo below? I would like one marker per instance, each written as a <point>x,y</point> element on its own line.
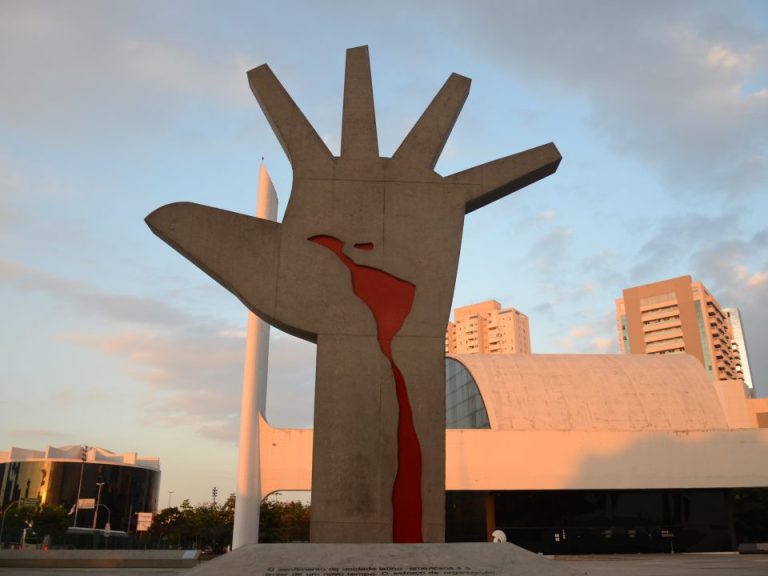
<point>363,263</point>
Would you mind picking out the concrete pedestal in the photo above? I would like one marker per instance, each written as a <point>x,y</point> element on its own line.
<point>479,559</point>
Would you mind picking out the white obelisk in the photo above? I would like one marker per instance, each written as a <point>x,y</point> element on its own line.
<point>254,402</point>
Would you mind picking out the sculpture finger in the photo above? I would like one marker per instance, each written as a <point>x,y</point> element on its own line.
<point>238,251</point>
<point>423,145</point>
<point>358,128</point>
<point>493,180</point>
<point>308,154</point>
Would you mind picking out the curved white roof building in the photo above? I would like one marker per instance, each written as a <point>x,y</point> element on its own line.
<point>526,428</point>
<point>595,392</point>
<point>74,453</point>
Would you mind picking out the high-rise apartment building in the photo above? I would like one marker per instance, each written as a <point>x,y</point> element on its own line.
<point>740,342</point>
<point>486,328</point>
<point>675,316</point>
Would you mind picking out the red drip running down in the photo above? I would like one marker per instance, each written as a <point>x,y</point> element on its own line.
<point>390,300</point>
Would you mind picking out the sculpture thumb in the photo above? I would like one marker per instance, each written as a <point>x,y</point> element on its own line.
<point>238,251</point>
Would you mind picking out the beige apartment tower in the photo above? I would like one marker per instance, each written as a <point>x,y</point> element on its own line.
<point>675,316</point>
<point>486,328</point>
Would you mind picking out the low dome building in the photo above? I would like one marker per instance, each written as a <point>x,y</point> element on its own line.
<point>117,485</point>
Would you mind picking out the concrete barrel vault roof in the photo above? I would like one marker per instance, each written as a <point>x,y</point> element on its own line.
<point>595,392</point>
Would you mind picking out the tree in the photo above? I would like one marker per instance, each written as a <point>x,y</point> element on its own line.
<point>14,522</point>
<point>51,521</point>
<point>209,526</point>
<point>284,522</point>
<point>166,527</point>
<point>44,521</point>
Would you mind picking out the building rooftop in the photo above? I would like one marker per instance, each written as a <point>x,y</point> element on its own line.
<point>73,452</point>
<point>596,392</point>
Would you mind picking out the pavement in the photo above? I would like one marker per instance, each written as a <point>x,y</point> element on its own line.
<point>720,564</point>
<point>93,571</point>
<point>726,564</point>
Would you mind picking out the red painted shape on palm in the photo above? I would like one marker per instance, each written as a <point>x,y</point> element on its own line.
<point>390,299</point>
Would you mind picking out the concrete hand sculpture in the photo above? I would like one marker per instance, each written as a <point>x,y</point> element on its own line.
<point>364,264</point>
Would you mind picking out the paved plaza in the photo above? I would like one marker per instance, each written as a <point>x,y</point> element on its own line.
<point>613,565</point>
<point>94,571</point>
<point>728,564</point>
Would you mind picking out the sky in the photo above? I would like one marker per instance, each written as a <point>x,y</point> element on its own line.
<point>109,110</point>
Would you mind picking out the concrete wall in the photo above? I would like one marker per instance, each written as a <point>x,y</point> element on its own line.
<point>560,460</point>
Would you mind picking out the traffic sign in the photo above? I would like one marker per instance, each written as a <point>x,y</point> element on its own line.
<point>143,521</point>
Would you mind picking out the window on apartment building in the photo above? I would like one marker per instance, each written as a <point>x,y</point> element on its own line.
<point>665,297</point>
<point>660,320</point>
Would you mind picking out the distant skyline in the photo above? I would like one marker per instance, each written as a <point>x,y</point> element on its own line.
<point>110,110</point>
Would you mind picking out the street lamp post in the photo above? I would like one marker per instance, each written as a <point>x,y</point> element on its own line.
<point>83,458</point>
<point>109,518</point>
<point>2,524</point>
<point>98,499</point>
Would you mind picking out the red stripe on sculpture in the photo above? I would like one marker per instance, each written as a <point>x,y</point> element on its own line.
<point>390,299</point>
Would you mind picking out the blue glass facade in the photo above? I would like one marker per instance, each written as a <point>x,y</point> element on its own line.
<point>125,491</point>
<point>625,334</point>
<point>703,336</point>
<point>464,406</point>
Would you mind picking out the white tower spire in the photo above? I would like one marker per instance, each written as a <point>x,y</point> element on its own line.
<point>254,402</point>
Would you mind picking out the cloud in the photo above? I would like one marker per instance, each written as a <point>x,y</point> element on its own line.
<point>547,215</point>
<point>191,367</point>
<point>240,334</point>
<point>713,249</point>
<point>226,430</point>
<point>544,309</point>
<point>40,434</point>
<point>576,338</point>
<point>549,249</point>
<point>604,269</point>
<point>94,393</point>
<point>193,376</point>
<point>742,273</point>
<point>119,307</point>
<point>11,185</point>
<point>757,279</point>
<point>672,239</point>
<point>597,338</point>
<point>568,279</point>
<point>732,265</point>
<point>580,332</point>
<point>682,89</point>
<point>603,345</point>
<point>84,63</point>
